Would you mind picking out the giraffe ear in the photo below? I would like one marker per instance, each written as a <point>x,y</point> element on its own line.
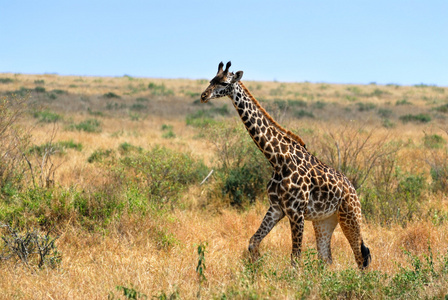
<point>237,77</point>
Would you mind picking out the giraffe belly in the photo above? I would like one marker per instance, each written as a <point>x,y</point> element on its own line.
<point>320,209</point>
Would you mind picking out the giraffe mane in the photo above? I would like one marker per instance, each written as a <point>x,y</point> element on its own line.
<point>276,125</point>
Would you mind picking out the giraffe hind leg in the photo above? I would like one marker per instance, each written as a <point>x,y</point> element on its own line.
<point>323,230</point>
<point>350,222</point>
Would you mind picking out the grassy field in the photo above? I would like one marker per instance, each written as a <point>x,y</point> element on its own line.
<point>104,174</point>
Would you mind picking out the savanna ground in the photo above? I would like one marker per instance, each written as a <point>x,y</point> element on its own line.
<point>103,177</point>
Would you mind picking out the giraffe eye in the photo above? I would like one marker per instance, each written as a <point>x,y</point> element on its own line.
<point>223,83</point>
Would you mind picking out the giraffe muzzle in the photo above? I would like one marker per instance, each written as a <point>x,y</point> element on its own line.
<point>204,96</point>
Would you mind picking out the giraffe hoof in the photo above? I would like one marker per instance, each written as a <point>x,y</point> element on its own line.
<point>367,258</point>
<point>254,254</point>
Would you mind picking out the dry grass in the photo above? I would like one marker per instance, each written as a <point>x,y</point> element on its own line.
<point>156,253</point>
<point>94,264</point>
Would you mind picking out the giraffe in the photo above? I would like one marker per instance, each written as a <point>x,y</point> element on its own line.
<point>302,187</point>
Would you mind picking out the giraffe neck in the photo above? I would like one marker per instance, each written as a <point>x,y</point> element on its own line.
<point>272,139</point>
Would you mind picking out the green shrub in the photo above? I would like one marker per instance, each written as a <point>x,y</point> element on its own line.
<point>351,98</point>
<point>141,99</point>
<point>420,118</point>
<point>319,104</point>
<point>22,92</point>
<point>303,114</point>
<point>99,155</point>
<point>159,90</point>
<point>278,91</point>
<point>384,113</point>
<point>193,94</point>
<point>39,89</point>
<point>388,123</point>
<point>200,119</point>
<point>354,90</point>
<point>6,80</point>
<point>167,127</point>
<point>366,106</point>
<point>246,181</point>
<point>243,171</point>
<point>433,141</point>
<point>47,148</point>
<point>59,92</point>
<point>160,173</point>
<point>169,134</point>
<point>70,144</point>
<point>439,175</point>
<point>378,93</point>
<point>442,108</point>
<point>395,197</point>
<point>89,125</point>
<point>125,148</point>
<point>95,113</point>
<point>138,107</point>
<point>222,111</point>
<point>111,95</point>
<point>421,85</point>
<point>403,102</point>
<point>115,106</point>
<point>47,116</point>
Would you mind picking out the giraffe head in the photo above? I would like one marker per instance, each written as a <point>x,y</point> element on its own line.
<point>222,84</point>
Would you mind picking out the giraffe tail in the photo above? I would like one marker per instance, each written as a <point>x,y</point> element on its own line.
<point>365,255</point>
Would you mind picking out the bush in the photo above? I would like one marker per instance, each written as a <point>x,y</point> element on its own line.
<point>47,116</point>
<point>354,151</point>
<point>50,148</point>
<point>54,148</point>
<point>30,247</point>
<point>39,89</point>
<point>125,148</point>
<point>6,80</point>
<point>243,171</point>
<point>403,102</point>
<point>159,90</point>
<point>200,119</point>
<point>169,134</point>
<point>59,92</point>
<point>378,93</point>
<point>420,118</point>
<point>111,95</point>
<point>100,155</point>
<point>433,141</point>
<point>162,174</point>
<point>366,106</point>
<point>437,159</point>
<point>393,196</point>
<point>89,125</point>
<point>384,113</point>
<point>138,107</point>
<point>303,114</point>
<point>442,108</point>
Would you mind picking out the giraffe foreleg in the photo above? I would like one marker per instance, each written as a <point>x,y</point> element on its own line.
<point>297,222</point>
<point>273,215</point>
<point>323,230</point>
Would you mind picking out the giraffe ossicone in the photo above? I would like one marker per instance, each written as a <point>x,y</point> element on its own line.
<point>302,187</point>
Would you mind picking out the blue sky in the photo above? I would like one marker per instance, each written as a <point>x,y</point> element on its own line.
<point>402,42</point>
